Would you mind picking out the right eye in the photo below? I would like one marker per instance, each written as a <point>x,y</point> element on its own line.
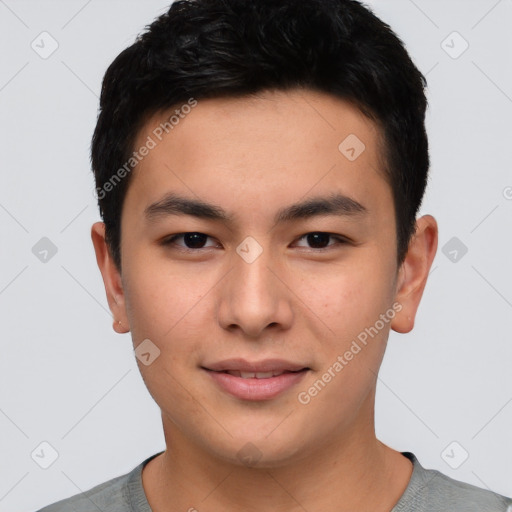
<point>193,241</point>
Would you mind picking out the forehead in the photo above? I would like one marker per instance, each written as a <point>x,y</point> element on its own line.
<point>272,148</point>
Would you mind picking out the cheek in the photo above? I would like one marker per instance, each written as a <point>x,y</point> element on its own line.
<point>162,303</point>
<point>350,302</point>
<point>348,297</point>
<point>167,309</point>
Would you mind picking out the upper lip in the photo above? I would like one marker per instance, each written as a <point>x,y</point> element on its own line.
<point>267,365</point>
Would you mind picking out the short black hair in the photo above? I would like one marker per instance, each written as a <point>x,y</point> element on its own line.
<point>232,48</point>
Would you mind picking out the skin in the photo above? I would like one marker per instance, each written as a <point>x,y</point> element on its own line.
<point>253,156</point>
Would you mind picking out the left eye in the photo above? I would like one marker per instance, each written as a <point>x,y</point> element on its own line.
<point>320,238</point>
<point>196,240</point>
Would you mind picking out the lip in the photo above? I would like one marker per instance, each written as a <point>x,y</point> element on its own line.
<point>267,365</point>
<point>254,389</point>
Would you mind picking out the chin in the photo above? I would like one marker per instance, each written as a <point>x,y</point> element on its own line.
<point>260,453</point>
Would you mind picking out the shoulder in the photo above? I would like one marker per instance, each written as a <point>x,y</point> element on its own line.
<point>118,494</point>
<point>103,496</point>
<point>431,491</point>
<point>109,496</point>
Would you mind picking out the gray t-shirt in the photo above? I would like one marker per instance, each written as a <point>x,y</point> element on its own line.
<point>428,491</point>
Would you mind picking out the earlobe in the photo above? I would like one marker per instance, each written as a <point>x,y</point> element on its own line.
<point>118,326</point>
<point>413,273</point>
<point>111,279</point>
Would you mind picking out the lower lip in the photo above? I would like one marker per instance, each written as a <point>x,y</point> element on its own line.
<point>256,389</point>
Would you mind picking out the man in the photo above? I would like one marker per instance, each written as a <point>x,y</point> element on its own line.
<point>259,168</point>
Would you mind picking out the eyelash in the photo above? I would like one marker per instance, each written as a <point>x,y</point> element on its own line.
<point>340,240</point>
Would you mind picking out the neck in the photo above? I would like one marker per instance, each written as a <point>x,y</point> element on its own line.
<point>353,471</point>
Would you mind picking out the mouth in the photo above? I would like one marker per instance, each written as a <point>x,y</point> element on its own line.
<point>254,385</point>
<point>242,365</point>
<point>258,375</point>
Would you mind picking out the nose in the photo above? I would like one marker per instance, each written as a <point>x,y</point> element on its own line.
<point>255,297</point>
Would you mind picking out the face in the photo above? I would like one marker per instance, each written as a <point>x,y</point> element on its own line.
<point>289,253</point>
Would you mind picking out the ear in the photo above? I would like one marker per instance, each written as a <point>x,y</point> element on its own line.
<point>414,271</point>
<point>111,279</point>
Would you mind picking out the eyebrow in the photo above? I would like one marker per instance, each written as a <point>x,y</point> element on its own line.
<point>175,204</point>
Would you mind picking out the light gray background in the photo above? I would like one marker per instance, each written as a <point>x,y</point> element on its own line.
<point>66,378</point>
